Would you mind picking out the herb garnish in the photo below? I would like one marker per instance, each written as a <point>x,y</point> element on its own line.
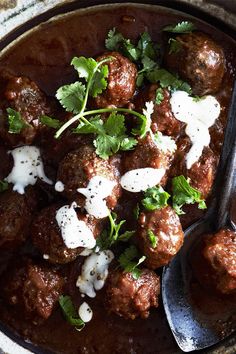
<point>183,193</point>
<point>70,312</point>
<point>3,186</point>
<point>50,122</point>
<point>15,121</point>
<point>130,260</point>
<point>181,27</point>
<point>159,96</point>
<point>152,238</point>
<point>111,236</point>
<point>155,198</point>
<point>110,135</point>
<point>175,46</point>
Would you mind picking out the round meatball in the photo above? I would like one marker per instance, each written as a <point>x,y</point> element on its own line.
<point>47,238</point>
<point>131,298</point>
<point>147,154</point>
<point>121,81</point>
<point>214,261</point>
<point>159,236</point>
<point>24,96</point>
<point>200,61</point>
<point>202,173</point>
<point>16,213</point>
<point>79,166</point>
<point>163,119</point>
<point>32,288</point>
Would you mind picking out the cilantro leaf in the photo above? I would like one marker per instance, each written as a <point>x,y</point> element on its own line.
<point>93,126</point>
<point>72,96</point>
<point>175,46</point>
<point>70,312</point>
<point>136,211</point>
<point>113,40</point>
<point>147,47</point>
<point>98,81</point>
<point>130,260</point>
<point>15,121</point>
<point>183,193</point>
<point>152,238</point>
<point>84,66</point>
<point>159,96</point>
<point>3,186</point>
<point>167,79</point>
<point>181,27</point>
<point>155,198</point>
<point>50,122</point>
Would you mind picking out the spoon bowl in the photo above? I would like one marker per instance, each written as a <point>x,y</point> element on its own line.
<point>197,327</point>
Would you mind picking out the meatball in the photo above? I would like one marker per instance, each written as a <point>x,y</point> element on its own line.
<point>24,96</point>
<point>32,288</point>
<point>163,119</point>
<point>79,166</point>
<point>164,225</point>
<point>131,298</point>
<point>147,154</point>
<point>202,172</point>
<point>46,236</point>
<point>214,261</point>
<point>121,81</point>
<point>16,213</point>
<point>200,61</point>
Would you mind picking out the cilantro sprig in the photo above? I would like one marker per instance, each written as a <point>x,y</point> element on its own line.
<point>15,121</point>
<point>130,259</point>
<point>3,186</point>
<point>181,27</point>
<point>70,312</point>
<point>113,235</point>
<point>155,198</point>
<point>183,194</point>
<point>174,45</point>
<point>152,238</point>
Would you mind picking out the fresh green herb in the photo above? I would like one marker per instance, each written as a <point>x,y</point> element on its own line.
<point>197,98</point>
<point>50,122</point>
<point>152,238</point>
<point>70,312</point>
<point>183,193</point>
<point>110,135</point>
<point>136,211</point>
<point>3,186</point>
<point>181,27</point>
<point>159,96</point>
<point>155,198</point>
<point>130,260</point>
<point>167,79</point>
<point>175,46</point>
<point>114,40</point>
<point>111,236</point>
<point>72,96</point>
<point>15,121</point>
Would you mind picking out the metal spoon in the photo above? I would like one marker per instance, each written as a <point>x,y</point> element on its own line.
<point>192,329</point>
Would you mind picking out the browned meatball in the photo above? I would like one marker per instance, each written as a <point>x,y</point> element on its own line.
<point>46,236</point>
<point>24,96</point>
<point>214,261</point>
<point>163,119</point>
<point>147,154</point>
<point>79,166</point>
<point>120,82</point>
<point>32,288</point>
<point>200,61</point>
<point>202,172</point>
<point>165,225</point>
<point>131,298</point>
<point>16,213</point>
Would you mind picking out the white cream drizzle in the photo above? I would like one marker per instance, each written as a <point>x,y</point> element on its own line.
<point>28,167</point>
<point>85,312</point>
<point>199,117</point>
<point>59,186</point>
<point>141,179</point>
<point>165,143</point>
<point>75,232</point>
<point>94,272</point>
<point>97,190</point>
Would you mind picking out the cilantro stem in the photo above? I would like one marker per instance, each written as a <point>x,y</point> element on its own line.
<point>81,116</point>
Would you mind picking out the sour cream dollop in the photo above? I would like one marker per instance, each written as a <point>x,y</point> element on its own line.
<point>94,272</point>
<point>199,117</point>
<point>85,312</point>
<point>97,190</point>
<point>75,232</point>
<point>141,179</point>
<point>28,167</point>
